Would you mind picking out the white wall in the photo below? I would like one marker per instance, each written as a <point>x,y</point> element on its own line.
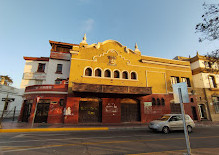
<point>198,80</point>
<point>201,80</point>
<point>197,64</point>
<point>51,74</point>
<point>12,93</point>
<point>32,67</point>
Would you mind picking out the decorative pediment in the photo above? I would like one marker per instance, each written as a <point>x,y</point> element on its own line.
<point>112,56</point>
<point>99,44</point>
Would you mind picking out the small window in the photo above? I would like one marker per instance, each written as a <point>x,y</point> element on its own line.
<point>107,73</point>
<point>98,73</point>
<point>158,101</point>
<point>153,101</point>
<point>116,74</point>
<point>216,103</point>
<point>58,81</point>
<point>125,75</point>
<point>88,72</point>
<point>59,69</point>
<point>209,65</point>
<point>212,82</point>
<point>133,76</point>
<point>174,79</point>
<point>187,80</point>
<point>191,100</point>
<point>41,67</point>
<point>61,102</point>
<point>163,101</point>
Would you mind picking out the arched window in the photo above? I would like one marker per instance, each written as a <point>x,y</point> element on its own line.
<point>153,101</point>
<point>107,73</point>
<point>116,74</point>
<point>98,72</point>
<point>212,82</point>
<point>88,72</point>
<point>162,101</point>
<point>125,75</point>
<point>158,101</point>
<point>133,76</point>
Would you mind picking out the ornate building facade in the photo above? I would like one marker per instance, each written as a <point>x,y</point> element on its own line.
<point>110,83</point>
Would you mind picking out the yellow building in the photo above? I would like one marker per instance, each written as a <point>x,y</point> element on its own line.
<point>111,83</point>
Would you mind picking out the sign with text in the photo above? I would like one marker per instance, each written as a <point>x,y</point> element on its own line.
<point>147,107</point>
<point>184,92</point>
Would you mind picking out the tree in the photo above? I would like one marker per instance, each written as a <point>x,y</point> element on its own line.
<point>5,80</point>
<point>209,28</point>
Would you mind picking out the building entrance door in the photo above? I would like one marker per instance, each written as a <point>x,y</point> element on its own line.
<point>42,111</point>
<point>194,113</point>
<point>90,110</point>
<point>130,110</point>
<point>27,110</point>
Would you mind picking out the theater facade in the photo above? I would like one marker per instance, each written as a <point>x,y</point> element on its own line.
<point>110,83</point>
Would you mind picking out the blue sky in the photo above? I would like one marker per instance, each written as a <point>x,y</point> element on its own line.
<point>161,28</point>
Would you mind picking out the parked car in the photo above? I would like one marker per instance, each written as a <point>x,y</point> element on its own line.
<point>170,122</point>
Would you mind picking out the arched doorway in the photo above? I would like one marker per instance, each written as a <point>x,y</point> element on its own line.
<point>130,110</point>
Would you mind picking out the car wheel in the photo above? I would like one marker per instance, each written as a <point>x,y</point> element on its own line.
<point>166,130</point>
<point>189,128</point>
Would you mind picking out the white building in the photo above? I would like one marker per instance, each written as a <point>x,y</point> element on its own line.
<point>15,95</point>
<point>48,70</point>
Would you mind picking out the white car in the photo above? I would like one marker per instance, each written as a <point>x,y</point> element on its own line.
<point>170,122</point>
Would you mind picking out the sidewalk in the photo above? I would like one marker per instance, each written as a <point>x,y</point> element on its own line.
<point>10,126</point>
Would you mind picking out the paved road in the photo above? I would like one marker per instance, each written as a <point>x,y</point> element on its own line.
<point>105,142</point>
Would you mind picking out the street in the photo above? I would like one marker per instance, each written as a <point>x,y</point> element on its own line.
<point>125,141</point>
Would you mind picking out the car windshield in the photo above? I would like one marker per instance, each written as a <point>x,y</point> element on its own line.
<point>164,118</point>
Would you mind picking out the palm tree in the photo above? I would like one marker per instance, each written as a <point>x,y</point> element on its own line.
<point>5,80</point>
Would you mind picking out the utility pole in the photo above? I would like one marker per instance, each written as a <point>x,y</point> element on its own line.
<point>184,123</point>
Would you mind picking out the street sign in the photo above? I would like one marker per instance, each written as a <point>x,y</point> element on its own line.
<point>184,92</point>
<point>181,96</point>
<point>9,99</point>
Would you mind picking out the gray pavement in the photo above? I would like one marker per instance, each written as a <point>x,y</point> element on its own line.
<point>204,140</point>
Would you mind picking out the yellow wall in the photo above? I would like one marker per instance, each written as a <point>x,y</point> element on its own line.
<point>151,71</point>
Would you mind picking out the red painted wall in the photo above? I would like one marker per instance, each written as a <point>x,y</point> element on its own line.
<point>55,114</point>
<point>159,110</point>
<point>72,105</point>
<point>111,110</point>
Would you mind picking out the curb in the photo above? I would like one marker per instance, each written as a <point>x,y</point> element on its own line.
<point>127,128</point>
<point>52,129</point>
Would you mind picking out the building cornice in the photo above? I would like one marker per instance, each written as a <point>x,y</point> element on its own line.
<point>36,58</point>
<point>204,70</point>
